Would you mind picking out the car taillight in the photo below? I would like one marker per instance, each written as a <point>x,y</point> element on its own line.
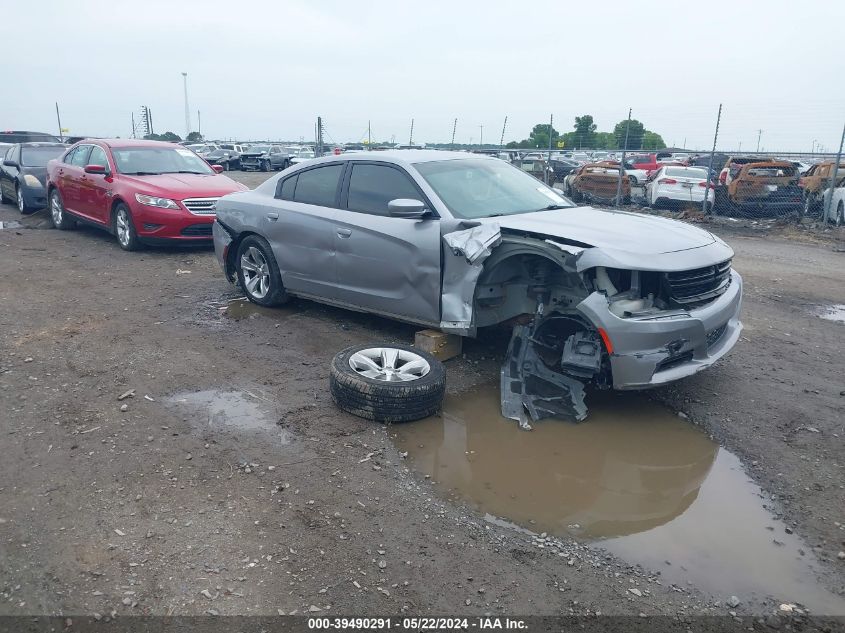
<point>667,181</point>
<point>704,184</point>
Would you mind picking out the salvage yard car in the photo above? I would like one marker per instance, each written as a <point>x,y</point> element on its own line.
<point>461,242</point>
<point>23,174</point>
<point>677,185</point>
<point>141,191</point>
<point>264,158</point>
<point>816,180</point>
<point>768,187</point>
<point>597,181</point>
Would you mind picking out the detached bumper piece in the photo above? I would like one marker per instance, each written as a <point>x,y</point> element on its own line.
<point>530,389</point>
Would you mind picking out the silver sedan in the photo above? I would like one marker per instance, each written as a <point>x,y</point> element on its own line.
<point>460,242</point>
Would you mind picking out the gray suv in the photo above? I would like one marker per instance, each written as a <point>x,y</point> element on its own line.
<point>460,242</point>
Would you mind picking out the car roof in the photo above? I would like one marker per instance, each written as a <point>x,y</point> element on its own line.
<point>406,156</point>
<point>128,142</point>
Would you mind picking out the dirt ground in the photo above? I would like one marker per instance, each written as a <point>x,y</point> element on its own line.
<point>152,510</point>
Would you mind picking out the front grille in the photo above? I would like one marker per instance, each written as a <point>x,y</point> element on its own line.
<point>201,206</point>
<point>688,288</point>
<point>197,230</point>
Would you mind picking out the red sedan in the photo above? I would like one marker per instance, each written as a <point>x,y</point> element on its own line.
<point>144,192</point>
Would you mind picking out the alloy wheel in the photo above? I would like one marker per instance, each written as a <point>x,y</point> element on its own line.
<point>121,225</point>
<point>21,202</point>
<point>389,364</point>
<point>256,272</point>
<point>56,209</point>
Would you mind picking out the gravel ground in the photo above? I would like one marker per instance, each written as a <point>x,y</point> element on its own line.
<point>140,506</point>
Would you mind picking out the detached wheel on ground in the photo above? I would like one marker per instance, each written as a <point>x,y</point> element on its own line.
<point>258,272</point>
<point>387,383</point>
<point>124,229</point>
<point>60,219</point>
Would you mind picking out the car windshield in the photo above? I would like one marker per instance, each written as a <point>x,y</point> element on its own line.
<point>39,156</point>
<point>159,160</point>
<point>482,188</point>
<point>262,149</point>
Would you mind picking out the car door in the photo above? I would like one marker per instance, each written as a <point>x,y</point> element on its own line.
<point>7,176</point>
<point>95,189</point>
<point>70,175</point>
<point>299,224</point>
<point>386,264</point>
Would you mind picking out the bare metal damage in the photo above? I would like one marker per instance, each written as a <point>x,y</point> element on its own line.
<point>560,296</point>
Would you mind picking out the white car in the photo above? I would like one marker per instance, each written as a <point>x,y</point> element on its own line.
<point>837,206</point>
<point>677,184</point>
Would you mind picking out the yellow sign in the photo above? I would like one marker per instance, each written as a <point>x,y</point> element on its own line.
<point>560,144</point>
<point>64,129</point>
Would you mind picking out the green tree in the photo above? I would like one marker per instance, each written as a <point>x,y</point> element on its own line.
<point>635,134</point>
<point>194,137</point>
<point>539,136</point>
<point>585,131</point>
<point>605,140</point>
<point>653,140</point>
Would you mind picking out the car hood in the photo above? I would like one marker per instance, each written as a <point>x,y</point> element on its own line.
<point>182,186</point>
<point>619,230</point>
<point>621,239</point>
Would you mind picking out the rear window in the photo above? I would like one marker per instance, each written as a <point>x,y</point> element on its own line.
<point>39,156</point>
<point>771,172</point>
<point>683,172</point>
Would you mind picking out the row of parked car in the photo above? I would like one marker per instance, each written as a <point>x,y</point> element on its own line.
<point>252,157</point>
<point>737,185</point>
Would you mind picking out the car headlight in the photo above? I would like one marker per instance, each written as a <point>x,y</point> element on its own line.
<point>153,201</point>
<point>32,181</point>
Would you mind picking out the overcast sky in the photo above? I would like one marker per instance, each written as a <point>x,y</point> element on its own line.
<point>267,69</point>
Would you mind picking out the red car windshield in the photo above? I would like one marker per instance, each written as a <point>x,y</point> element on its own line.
<point>148,161</point>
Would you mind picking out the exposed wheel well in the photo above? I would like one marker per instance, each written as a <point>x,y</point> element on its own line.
<point>232,254</point>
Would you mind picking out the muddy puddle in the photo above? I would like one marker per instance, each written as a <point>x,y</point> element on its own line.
<point>634,479</point>
<point>833,313</point>
<point>239,309</point>
<point>10,224</point>
<point>234,410</point>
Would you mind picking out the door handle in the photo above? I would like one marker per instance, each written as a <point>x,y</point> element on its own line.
<point>344,233</point>
<point>273,216</point>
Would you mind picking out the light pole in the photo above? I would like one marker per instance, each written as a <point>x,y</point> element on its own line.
<point>187,110</point>
<point>759,134</point>
<point>813,147</point>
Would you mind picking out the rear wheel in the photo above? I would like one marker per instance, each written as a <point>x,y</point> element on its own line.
<point>124,229</point>
<point>61,220</point>
<point>258,272</point>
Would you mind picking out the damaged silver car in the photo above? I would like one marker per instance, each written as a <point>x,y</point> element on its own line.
<point>462,242</point>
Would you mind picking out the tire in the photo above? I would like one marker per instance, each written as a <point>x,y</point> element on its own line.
<point>124,228</point>
<point>255,260</point>
<point>3,198</point>
<point>265,165</point>
<point>633,180</point>
<point>384,400</point>
<point>60,218</point>
<point>23,207</point>
<point>840,213</point>
<point>226,166</point>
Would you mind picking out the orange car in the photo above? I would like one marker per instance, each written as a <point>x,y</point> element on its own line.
<point>597,181</point>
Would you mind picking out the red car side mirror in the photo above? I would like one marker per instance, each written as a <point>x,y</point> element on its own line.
<point>95,169</point>
<point>218,169</point>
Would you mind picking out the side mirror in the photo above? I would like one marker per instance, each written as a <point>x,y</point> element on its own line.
<point>10,163</point>
<point>218,169</point>
<point>96,169</point>
<point>407,208</point>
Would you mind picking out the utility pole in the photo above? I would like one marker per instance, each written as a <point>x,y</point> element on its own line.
<point>454,129</point>
<point>549,177</point>
<point>59,120</point>
<point>622,162</point>
<point>150,120</point>
<point>833,179</point>
<point>133,124</point>
<point>481,142</point>
<point>369,137</point>
<point>319,151</point>
<point>411,137</point>
<point>199,123</point>
<point>504,127</point>
<point>759,134</point>
<point>187,111</point>
<point>710,165</point>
